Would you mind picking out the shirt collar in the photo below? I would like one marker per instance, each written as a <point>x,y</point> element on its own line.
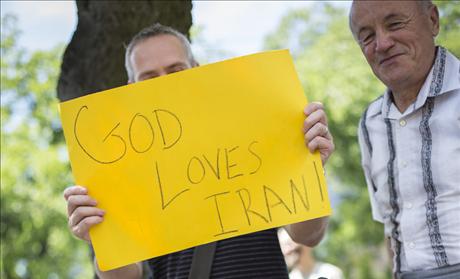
<point>444,77</point>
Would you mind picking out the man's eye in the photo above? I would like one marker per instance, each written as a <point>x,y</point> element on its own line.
<point>367,39</point>
<point>177,69</point>
<point>146,77</point>
<point>396,25</point>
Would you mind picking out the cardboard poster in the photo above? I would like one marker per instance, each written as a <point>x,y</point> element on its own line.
<point>194,157</point>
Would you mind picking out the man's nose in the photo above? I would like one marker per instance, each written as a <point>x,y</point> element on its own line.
<point>162,73</point>
<point>384,41</point>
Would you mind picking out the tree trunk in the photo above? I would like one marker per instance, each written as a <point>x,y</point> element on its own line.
<point>94,58</point>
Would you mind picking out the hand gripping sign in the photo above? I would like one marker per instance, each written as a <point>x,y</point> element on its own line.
<point>193,157</point>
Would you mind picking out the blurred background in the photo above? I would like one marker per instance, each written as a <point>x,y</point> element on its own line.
<point>35,241</point>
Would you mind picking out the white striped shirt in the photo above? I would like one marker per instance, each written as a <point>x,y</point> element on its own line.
<point>411,161</point>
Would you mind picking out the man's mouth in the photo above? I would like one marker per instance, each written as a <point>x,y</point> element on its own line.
<point>389,59</point>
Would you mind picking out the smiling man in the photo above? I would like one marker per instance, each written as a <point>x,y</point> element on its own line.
<point>410,137</point>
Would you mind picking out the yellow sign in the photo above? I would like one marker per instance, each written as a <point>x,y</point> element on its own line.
<point>193,157</point>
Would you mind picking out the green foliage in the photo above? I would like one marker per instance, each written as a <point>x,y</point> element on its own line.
<point>35,242</point>
<point>333,70</point>
<point>450,21</point>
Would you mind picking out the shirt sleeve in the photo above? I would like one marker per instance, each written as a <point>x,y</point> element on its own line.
<point>366,165</point>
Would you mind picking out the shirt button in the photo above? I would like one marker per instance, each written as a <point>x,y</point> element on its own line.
<point>404,164</point>
<point>402,123</point>
<point>411,245</point>
<point>409,206</point>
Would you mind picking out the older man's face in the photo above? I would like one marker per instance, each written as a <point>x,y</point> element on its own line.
<point>397,39</point>
<point>158,56</point>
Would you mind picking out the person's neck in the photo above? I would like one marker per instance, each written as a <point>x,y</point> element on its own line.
<point>404,97</point>
<point>306,264</point>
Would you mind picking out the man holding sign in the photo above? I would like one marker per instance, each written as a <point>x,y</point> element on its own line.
<point>158,51</point>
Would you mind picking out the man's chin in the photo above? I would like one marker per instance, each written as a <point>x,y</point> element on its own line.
<point>393,78</point>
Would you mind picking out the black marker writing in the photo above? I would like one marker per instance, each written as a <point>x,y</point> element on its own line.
<point>215,170</point>
<point>201,166</point>
<point>247,206</point>
<point>163,204</point>
<point>255,155</point>
<point>294,189</point>
<point>270,206</point>
<point>319,183</point>
<point>230,165</point>
<point>131,133</point>
<point>171,143</point>
<point>219,215</point>
<point>111,134</point>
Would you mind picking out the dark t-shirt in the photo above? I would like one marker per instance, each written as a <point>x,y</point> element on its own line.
<point>255,255</point>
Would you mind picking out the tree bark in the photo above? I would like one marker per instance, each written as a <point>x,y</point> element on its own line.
<point>94,59</point>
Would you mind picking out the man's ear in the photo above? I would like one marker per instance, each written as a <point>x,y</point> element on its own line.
<point>434,20</point>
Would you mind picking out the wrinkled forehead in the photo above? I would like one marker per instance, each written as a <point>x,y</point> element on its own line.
<point>364,12</point>
<point>157,49</point>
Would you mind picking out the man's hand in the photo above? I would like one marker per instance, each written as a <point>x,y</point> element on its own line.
<point>317,135</point>
<point>82,212</point>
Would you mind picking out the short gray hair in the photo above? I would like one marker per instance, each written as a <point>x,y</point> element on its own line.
<point>152,31</point>
<point>425,4</point>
